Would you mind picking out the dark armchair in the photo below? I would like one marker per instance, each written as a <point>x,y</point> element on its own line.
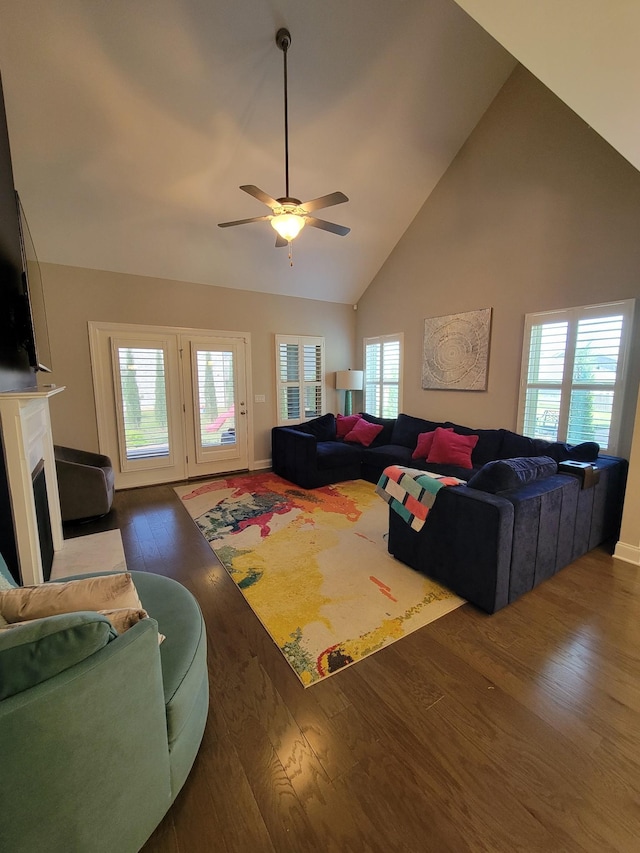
<point>85,483</point>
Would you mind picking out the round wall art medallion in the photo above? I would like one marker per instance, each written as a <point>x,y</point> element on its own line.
<point>456,351</point>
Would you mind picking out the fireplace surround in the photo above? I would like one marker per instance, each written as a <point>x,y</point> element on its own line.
<point>29,461</point>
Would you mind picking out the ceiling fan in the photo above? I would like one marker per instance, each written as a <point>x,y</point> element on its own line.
<point>289,215</point>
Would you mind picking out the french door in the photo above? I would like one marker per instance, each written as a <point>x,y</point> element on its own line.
<point>171,403</point>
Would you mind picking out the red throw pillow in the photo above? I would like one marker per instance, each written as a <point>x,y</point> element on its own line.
<point>345,423</point>
<point>449,448</point>
<point>425,441</point>
<point>364,432</point>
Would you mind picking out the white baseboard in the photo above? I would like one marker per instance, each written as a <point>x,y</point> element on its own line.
<point>260,464</point>
<point>628,553</point>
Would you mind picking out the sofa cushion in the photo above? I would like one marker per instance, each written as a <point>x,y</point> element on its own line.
<point>450,448</point>
<point>323,428</point>
<point>425,443</point>
<point>389,454</point>
<point>586,452</point>
<point>489,444</point>
<point>93,593</point>
<point>503,474</point>
<point>336,454</point>
<point>345,423</point>
<point>34,651</point>
<point>407,429</point>
<point>364,433</point>
<point>516,445</point>
<point>387,428</point>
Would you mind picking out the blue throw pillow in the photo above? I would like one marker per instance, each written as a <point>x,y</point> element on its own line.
<point>503,474</point>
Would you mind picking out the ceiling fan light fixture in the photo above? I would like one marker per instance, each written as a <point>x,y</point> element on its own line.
<point>288,225</point>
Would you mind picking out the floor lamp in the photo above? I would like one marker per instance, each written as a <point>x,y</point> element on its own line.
<point>349,381</point>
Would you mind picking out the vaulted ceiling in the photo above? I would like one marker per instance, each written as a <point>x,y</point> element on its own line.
<point>132,125</point>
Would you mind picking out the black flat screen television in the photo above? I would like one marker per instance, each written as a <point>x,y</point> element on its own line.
<point>24,341</point>
<point>36,330</point>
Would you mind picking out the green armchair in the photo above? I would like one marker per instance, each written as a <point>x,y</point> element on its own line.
<point>94,755</point>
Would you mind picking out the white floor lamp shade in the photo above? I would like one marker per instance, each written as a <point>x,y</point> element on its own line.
<point>349,381</point>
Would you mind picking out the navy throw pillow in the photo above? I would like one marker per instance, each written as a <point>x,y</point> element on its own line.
<point>503,474</point>
<point>585,452</point>
<point>323,428</point>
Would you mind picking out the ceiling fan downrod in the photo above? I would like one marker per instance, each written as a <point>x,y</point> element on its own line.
<point>283,40</point>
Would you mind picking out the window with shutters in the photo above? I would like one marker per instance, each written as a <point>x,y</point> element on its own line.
<point>383,375</point>
<point>143,400</point>
<point>573,373</point>
<point>300,378</point>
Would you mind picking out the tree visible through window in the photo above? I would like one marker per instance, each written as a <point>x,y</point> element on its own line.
<point>573,373</point>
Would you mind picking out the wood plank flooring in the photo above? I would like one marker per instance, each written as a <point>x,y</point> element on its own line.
<point>513,732</point>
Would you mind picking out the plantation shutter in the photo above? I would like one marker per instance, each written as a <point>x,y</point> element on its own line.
<point>300,370</point>
<point>142,378</point>
<point>574,367</point>
<point>382,375</point>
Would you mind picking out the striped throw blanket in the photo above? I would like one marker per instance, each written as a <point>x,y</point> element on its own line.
<point>411,492</point>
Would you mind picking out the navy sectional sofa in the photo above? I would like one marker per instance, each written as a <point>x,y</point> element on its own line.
<point>518,519</point>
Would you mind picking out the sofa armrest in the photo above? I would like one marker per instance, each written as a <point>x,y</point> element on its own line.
<point>465,544</point>
<point>294,456</point>
<point>61,740</point>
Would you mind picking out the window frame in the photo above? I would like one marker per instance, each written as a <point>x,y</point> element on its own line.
<point>382,340</point>
<point>300,341</point>
<point>572,317</point>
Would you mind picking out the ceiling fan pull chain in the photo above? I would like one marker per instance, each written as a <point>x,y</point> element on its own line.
<point>290,253</point>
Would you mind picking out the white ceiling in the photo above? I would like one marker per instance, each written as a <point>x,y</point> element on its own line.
<point>132,126</point>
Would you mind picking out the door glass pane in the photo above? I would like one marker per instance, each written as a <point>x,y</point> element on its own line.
<point>542,413</point>
<point>216,396</point>
<point>144,401</point>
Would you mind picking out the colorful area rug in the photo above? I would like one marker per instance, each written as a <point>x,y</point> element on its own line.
<point>314,567</point>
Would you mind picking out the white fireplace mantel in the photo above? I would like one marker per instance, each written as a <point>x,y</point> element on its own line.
<point>27,439</point>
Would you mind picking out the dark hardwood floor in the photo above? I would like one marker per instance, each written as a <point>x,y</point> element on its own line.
<point>513,732</point>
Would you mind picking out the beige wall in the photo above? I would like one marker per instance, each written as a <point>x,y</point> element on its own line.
<point>537,212</point>
<point>74,296</point>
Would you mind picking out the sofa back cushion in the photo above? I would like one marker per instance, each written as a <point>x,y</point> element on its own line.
<point>489,444</point>
<point>323,428</point>
<point>515,445</point>
<point>31,652</point>
<point>503,474</point>
<point>586,452</point>
<point>407,429</point>
<point>387,425</point>
<point>450,448</point>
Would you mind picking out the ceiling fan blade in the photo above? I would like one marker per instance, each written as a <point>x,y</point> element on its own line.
<point>324,201</point>
<point>280,242</point>
<point>342,230</point>
<point>261,196</point>
<point>243,221</point>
